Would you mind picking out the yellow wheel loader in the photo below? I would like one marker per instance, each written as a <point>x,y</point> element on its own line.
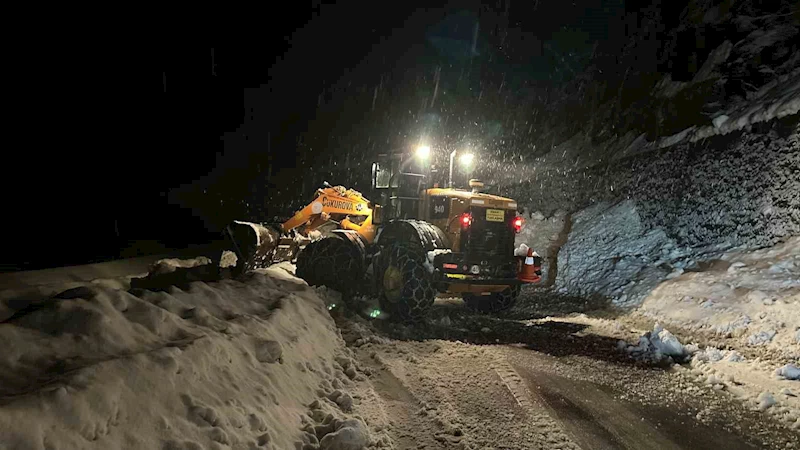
<point>417,242</point>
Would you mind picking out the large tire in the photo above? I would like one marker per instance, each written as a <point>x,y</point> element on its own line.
<point>333,262</point>
<point>496,302</point>
<point>406,287</point>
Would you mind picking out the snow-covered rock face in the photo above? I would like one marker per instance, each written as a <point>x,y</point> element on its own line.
<point>610,252</point>
<point>656,216</point>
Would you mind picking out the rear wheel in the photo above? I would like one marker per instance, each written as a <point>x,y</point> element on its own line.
<point>333,262</point>
<point>495,302</point>
<point>406,286</point>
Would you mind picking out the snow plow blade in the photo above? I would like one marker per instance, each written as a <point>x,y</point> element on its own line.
<point>254,244</point>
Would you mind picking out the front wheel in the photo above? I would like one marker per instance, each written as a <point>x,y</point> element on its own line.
<point>406,286</point>
<point>495,302</point>
<point>333,262</point>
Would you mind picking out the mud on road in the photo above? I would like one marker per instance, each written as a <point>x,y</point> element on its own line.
<point>469,381</point>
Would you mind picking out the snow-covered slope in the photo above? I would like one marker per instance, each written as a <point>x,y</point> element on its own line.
<point>655,215</point>
<point>741,315</point>
<point>223,364</point>
<point>750,298</point>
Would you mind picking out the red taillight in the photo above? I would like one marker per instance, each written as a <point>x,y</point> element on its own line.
<point>518,224</point>
<point>466,220</point>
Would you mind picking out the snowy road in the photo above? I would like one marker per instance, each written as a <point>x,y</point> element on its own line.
<point>488,383</point>
<point>598,415</point>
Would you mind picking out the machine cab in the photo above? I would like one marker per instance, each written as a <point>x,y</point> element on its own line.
<point>400,180</point>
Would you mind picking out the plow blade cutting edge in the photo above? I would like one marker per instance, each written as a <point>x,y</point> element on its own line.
<point>254,244</point>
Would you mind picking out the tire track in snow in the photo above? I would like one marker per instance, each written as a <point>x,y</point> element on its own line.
<point>407,427</point>
<point>452,395</point>
<point>513,382</point>
<point>598,417</point>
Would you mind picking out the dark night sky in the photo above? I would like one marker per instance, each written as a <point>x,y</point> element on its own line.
<point>146,120</point>
<point>124,126</point>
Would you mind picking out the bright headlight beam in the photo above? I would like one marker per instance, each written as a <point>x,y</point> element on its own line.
<point>423,152</point>
<point>466,159</point>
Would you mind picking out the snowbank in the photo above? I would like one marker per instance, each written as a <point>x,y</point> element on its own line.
<point>212,365</point>
<point>747,303</point>
<point>750,299</point>
<point>725,370</point>
<point>751,381</point>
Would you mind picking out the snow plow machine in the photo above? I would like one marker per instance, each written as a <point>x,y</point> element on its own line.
<point>418,242</point>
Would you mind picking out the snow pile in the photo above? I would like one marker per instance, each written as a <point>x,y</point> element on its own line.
<point>658,346</point>
<point>20,290</point>
<point>766,401</point>
<point>747,302</point>
<point>749,299</point>
<point>431,255</point>
<point>789,371</point>
<point>712,354</point>
<point>762,337</point>
<point>170,265</point>
<point>757,383</point>
<point>222,364</point>
<point>328,426</point>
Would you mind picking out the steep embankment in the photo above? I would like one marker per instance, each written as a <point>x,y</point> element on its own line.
<point>658,214</point>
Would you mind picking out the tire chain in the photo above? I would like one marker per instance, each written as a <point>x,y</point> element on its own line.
<point>418,292</point>
<point>496,302</point>
<point>329,262</point>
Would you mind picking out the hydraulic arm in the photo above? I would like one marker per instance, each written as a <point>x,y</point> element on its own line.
<point>333,207</point>
<point>346,207</point>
